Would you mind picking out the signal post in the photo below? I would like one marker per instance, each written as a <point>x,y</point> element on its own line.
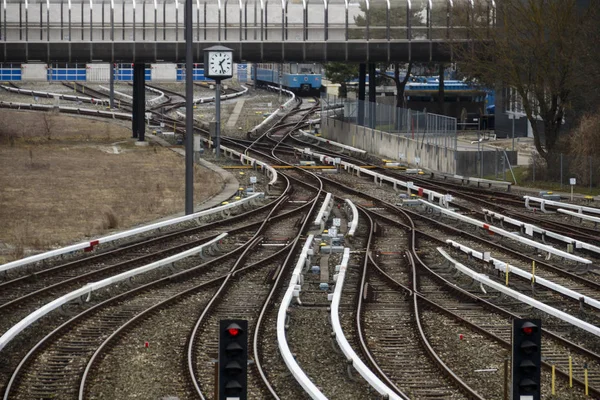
<point>526,359</point>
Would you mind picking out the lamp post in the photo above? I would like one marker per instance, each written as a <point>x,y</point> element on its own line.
<point>189,111</point>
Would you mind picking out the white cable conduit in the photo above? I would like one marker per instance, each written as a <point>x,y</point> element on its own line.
<point>276,112</point>
<point>202,100</point>
<point>510,235</point>
<point>292,291</point>
<point>148,102</point>
<point>55,95</point>
<point>320,139</point>
<point>579,215</point>
<point>563,316</point>
<point>544,202</point>
<point>271,172</point>
<point>469,179</point>
<point>85,292</point>
<point>354,220</point>
<point>161,96</point>
<point>501,266</point>
<point>125,234</point>
<point>341,340</point>
<point>323,214</point>
<point>87,111</point>
<point>377,177</point>
<point>116,92</point>
<point>530,229</point>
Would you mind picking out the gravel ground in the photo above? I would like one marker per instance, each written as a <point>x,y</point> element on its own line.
<point>310,329</point>
<point>156,371</point>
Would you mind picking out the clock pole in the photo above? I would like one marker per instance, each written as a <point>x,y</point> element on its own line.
<point>218,117</point>
<point>218,65</point>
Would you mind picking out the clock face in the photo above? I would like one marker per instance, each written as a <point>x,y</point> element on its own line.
<point>220,64</point>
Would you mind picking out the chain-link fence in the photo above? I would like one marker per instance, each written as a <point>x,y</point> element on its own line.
<point>423,126</point>
<point>557,171</point>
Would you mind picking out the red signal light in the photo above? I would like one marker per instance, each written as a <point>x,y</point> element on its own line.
<point>233,331</point>
<point>527,330</point>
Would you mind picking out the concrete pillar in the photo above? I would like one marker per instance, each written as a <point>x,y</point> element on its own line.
<point>372,96</point>
<point>362,78</point>
<point>139,101</point>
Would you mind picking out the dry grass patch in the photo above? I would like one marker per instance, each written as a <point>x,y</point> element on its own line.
<point>58,191</point>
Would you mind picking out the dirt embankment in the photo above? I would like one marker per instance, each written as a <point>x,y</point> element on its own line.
<point>64,178</point>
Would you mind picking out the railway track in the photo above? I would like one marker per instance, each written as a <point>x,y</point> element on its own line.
<point>396,280</point>
<point>38,284</point>
<point>470,199</point>
<point>101,320</point>
<point>241,296</point>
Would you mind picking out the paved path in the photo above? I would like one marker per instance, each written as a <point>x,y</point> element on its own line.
<point>235,115</point>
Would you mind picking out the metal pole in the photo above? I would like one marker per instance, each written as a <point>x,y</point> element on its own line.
<point>135,105</point>
<point>496,163</point>
<point>506,391</point>
<point>279,78</point>
<point>513,133</point>
<point>218,118</point>
<point>591,174</point>
<point>112,85</point>
<point>362,77</point>
<point>372,96</point>
<point>189,111</point>
<point>561,170</point>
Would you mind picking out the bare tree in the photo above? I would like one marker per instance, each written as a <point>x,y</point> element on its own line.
<point>536,50</point>
<point>585,146</point>
<point>400,83</point>
<point>47,125</point>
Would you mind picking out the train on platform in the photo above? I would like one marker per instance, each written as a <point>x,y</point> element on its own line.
<point>298,78</point>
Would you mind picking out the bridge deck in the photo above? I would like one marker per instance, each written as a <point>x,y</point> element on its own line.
<point>258,31</point>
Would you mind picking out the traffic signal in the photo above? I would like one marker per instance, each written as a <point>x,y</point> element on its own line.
<point>233,359</point>
<point>526,359</point>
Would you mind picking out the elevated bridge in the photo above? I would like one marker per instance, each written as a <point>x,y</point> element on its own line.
<point>151,31</point>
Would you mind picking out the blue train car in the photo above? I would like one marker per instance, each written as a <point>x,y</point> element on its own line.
<point>299,78</point>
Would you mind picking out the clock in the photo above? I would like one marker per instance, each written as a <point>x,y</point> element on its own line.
<point>218,62</point>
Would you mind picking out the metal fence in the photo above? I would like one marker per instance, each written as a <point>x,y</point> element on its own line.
<point>422,126</point>
<point>558,169</point>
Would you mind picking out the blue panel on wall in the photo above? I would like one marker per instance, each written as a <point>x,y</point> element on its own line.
<point>10,74</point>
<point>66,74</point>
<point>198,74</point>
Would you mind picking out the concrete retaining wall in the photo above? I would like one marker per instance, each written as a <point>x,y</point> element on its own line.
<point>392,146</point>
<point>430,156</point>
<point>164,72</point>
<point>34,72</point>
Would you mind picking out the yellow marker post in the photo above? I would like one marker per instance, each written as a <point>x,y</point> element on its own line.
<point>507,270</point>
<point>570,371</point>
<point>532,272</point>
<point>585,380</point>
<point>553,379</point>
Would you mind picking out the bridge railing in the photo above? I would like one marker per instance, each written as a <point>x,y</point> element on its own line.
<point>243,20</point>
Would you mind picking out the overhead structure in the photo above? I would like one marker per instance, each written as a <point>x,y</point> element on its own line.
<point>277,31</point>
